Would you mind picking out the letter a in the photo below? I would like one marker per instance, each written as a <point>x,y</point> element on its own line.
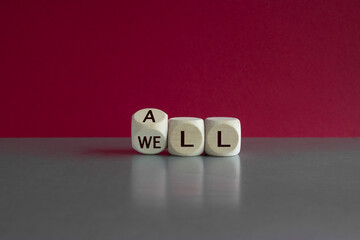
<point>149,115</point>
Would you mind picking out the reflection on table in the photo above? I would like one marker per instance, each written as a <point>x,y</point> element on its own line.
<point>148,180</point>
<point>185,178</point>
<point>159,181</point>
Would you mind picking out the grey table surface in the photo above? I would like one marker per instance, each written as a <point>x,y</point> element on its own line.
<point>98,188</point>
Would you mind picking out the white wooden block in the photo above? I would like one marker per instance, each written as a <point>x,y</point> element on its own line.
<point>186,136</point>
<point>149,128</point>
<point>223,136</point>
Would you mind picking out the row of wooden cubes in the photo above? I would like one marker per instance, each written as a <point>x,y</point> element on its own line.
<point>152,132</point>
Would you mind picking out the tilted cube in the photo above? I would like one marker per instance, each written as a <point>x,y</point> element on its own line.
<point>223,136</point>
<point>186,136</point>
<point>149,128</point>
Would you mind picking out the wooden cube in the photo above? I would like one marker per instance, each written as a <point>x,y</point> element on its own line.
<point>149,128</point>
<point>223,136</point>
<point>186,136</point>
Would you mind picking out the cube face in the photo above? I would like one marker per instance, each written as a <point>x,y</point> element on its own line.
<point>186,136</point>
<point>150,116</point>
<point>149,141</point>
<point>223,136</point>
<point>149,129</point>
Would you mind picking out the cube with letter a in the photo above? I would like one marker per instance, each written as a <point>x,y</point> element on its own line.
<point>149,128</point>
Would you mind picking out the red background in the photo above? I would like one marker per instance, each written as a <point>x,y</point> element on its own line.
<point>82,68</point>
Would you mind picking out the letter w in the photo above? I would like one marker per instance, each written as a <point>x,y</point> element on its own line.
<point>145,141</point>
